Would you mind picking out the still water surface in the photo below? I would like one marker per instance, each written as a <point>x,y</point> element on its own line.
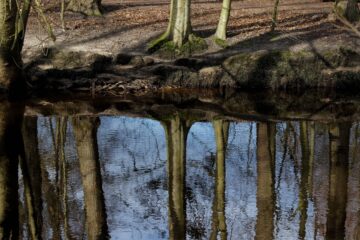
<point>126,177</point>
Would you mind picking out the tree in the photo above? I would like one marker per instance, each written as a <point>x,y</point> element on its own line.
<point>220,34</point>
<point>176,134</point>
<point>87,7</point>
<point>179,27</point>
<point>274,16</point>
<point>219,222</point>
<point>85,129</point>
<point>352,12</point>
<point>339,138</point>
<point>265,196</point>
<point>10,150</point>
<point>12,34</point>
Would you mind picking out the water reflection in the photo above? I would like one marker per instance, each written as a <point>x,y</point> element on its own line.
<point>173,178</point>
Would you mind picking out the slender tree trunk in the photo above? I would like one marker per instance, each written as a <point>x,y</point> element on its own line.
<point>275,15</point>
<point>10,149</point>
<point>87,7</point>
<point>339,167</point>
<point>265,197</point>
<point>32,177</point>
<point>304,182</point>
<point>176,134</point>
<point>85,130</point>
<point>219,221</point>
<point>352,12</point>
<point>223,20</point>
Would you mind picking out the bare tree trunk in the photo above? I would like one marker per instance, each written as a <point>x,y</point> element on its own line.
<point>32,177</point>
<point>176,134</point>
<point>85,129</point>
<point>223,20</point>
<point>10,150</point>
<point>179,26</point>
<point>87,7</point>
<point>339,135</point>
<point>219,221</point>
<point>275,15</point>
<point>352,12</point>
<point>265,197</point>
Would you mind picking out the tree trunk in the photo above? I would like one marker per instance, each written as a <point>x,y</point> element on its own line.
<point>9,56</point>
<point>265,197</point>
<point>304,182</point>
<point>339,136</point>
<point>176,134</point>
<point>223,20</point>
<point>85,130</point>
<point>352,12</point>
<point>179,27</point>
<point>275,14</point>
<point>32,177</point>
<point>219,221</point>
<point>87,7</point>
<point>10,149</point>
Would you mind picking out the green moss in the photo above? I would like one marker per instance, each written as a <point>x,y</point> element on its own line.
<point>194,44</point>
<point>220,42</point>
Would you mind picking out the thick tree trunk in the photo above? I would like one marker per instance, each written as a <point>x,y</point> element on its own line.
<point>176,134</point>
<point>339,136</point>
<point>9,53</point>
<point>219,221</point>
<point>10,149</point>
<point>87,7</point>
<point>85,130</point>
<point>182,26</point>
<point>179,27</point>
<point>352,12</point>
<point>223,20</point>
<point>265,197</point>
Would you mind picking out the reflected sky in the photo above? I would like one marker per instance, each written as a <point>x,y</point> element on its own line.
<point>139,178</point>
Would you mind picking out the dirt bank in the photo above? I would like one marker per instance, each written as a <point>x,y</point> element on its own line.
<point>98,55</point>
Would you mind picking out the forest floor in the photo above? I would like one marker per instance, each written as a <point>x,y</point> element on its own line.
<point>127,26</point>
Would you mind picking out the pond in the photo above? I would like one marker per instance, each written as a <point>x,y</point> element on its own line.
<point>181,166</point>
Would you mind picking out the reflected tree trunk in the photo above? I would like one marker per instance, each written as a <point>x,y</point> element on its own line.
<point>32,177</point>
<point>265,197</point>
<point>304,181</point>
<point>219,221</point>
<point>339,136</point>
<point>85,131</point>
<point>10,149</point>
<point>176,135</point>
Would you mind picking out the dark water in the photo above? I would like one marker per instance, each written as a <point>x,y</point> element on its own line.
<point>186,173</point>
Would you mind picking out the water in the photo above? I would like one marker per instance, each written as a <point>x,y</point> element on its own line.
<point>139,168</point>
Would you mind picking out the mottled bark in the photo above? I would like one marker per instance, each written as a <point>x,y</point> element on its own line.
<point>87,7</point>
<point>176,134</point>
<point>10,150</point>
<point>352,12</point>
<point>339,135</point>
<point>223,20</point>
<point>85,131</point>
<point>32,177</point>
<point>219,221</point>
<point>265,196</point>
